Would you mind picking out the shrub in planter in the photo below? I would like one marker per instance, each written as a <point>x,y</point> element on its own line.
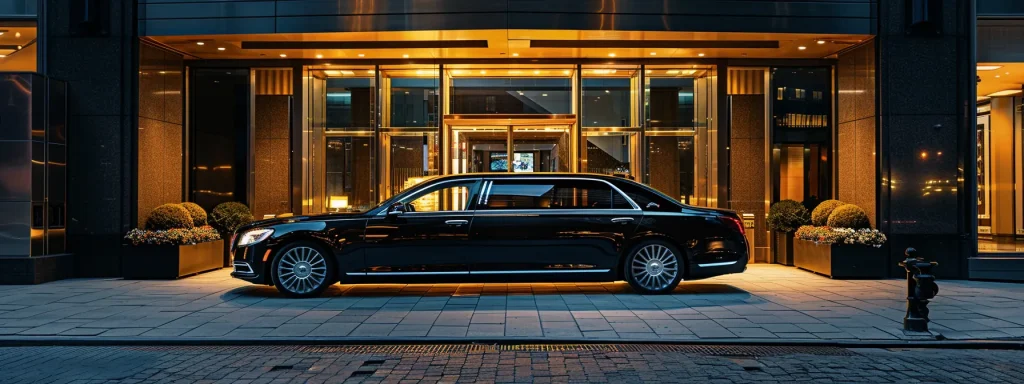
<point>168,216</point>
<point>173,236</point>
<point>197,213</point>
<point>848,216</point>
<point>787,216</point>
<point>820,214</point>
<point>227,217</point>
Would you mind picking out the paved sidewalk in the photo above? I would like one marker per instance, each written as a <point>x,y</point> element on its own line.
<point>768,302</point>
<point>605,364</point>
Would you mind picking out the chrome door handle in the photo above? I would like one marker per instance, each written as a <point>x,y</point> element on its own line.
<point>456,222</point>
<point>622,220</point>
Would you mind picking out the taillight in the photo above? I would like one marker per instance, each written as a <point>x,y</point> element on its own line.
<point>734,223</point>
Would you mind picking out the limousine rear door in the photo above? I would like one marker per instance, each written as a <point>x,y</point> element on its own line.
<point>550,225</point>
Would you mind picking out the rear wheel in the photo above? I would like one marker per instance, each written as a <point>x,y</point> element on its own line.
<point>303,269</point>
<point>653,267</point>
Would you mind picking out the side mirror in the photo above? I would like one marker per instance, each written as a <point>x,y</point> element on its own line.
<point>396,209</point>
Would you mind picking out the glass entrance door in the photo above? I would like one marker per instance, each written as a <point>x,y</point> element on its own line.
<point>510,148</point>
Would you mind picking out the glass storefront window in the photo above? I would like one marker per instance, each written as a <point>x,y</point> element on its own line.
<point>539,149</point>
<point>1000,150</point>
<point>801,100</point>
<point>18,47</point>
<point>519,91</point>
<point>409,137</point>
<point>610,152</point>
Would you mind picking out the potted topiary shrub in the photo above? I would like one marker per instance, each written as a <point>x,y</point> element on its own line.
<point>820,214</point>
<point>172,243</point>
<point>784,217</point>
<point>226,218</point>
<point>845,247</point>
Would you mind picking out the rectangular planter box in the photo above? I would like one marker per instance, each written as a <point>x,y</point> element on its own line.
<point>171,262</point>
<point>783,248</point>
<point>840,261</point>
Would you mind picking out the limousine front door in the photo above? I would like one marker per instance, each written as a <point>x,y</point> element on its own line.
<point>427,237</point>
<point>524,226</point>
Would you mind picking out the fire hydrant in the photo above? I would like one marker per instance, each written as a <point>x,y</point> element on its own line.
<point>921,287</point>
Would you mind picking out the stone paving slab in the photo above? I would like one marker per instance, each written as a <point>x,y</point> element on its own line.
<point>529,364</point>
<point>768,302</point>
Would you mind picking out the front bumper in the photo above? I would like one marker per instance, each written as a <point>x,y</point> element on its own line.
<point>250,263</point>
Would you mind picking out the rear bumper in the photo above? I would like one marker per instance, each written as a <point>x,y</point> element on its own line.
<point>705,270</point>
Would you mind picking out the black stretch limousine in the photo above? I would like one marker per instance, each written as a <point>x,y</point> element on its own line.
<point>498,228</point>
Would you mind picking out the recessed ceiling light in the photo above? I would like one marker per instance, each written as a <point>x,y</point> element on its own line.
<point>672,72</point>
<point>200,43</point>
<point>821,42</point>
<point>700,54</point>
<point>611,55</point>
<point>565,72</point>
<point>221,48</point>
<point>1007,73</point>
<point>370,72</point>
<point>1006,92</point>
<point>2,33</point>
<point>536,72</point>
<point>654,53</point>
<point>997,76</point>
<point>361,55</point>
<point>483,72</point>
<point>515,54</point>
<point>801,47</point>
<point>989,67</point>
<point>319,56</point>
<point>284,55</point>
<point>332,73</point>
<point>649,71</point>
<point>17,34</point>
<point>406,56</point>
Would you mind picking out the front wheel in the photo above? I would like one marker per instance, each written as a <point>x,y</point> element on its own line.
<point>653,267</point>
<point>302,269</point>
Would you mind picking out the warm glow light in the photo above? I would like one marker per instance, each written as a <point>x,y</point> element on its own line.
<point>1007,92</point>
<point>649,71</point>
<point>339,202</point>
<point>700,54</point>
<point>405,56</point>
<point>565,72</point>
<point>997,76</point>
<point>361,55</point>
<point>672,72</point>
<point>319,56</point>
<point>515,54</point>
<point>200,43</point>
<point>536,72</point>
<point>483,72</point>
<point>284,55</point>
<point>654,53</point>
<point>221,48</point>
<point>924,155</point>
<point>989,67</point>
<point>611,55</point>
<point>544,94</point>
<point>801,47</point>
<point>370,71</point>
<point>821,42</point>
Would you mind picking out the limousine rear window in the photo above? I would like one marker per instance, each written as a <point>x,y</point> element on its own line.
<point>553,194</point>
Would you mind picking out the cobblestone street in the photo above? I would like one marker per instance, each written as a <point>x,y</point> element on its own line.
<point>767,303</point>
<point>488,363</point>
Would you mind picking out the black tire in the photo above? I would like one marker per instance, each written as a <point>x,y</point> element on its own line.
<point>302,269</point>
<point>649,265</point>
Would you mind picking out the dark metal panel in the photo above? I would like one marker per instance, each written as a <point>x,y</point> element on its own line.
<point>792,8</point>
<point>15,229</point>
<point>365,23</point>
<point>208,10</point>
<point>215,26</point>
<point>702,23</point>
<point>18,8</point>
<point>1000,8</point>
<point>18,176</point>
<point>335,7</point>
<point>999,41</point>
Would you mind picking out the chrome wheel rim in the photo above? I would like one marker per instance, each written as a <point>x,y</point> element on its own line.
<point>654,267</point>
<point>302,270</point>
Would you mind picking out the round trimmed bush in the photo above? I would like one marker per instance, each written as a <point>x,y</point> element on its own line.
<point>168,216</point>
<point>820,214</point>
<point>197,213</point>
<point>227,217</point>
<point>849,216</point>
<point>787,216</point>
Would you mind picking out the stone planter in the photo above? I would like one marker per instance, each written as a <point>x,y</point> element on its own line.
<point>170,262</point>
<point>840,261</point>
<point>783,248</point>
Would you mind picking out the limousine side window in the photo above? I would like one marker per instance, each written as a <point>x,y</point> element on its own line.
<point>553,194</point>
<point>648,200</point>
<point>442,197</point>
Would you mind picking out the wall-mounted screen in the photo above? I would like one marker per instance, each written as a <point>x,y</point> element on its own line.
<point>499,162</point>
<point>522,162</point>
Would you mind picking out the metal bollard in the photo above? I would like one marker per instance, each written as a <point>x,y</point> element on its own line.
<point>921,287</point>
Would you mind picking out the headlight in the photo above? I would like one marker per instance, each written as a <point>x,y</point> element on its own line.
<point>254,236</point>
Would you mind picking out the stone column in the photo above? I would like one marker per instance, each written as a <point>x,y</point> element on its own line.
<point>926,123</point>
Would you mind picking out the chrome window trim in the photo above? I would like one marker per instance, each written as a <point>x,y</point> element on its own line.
<point>722,264</point>
<point>560,211</point>
<point>411,273</point>
<point>523,272</point>
<point>614,188</point>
